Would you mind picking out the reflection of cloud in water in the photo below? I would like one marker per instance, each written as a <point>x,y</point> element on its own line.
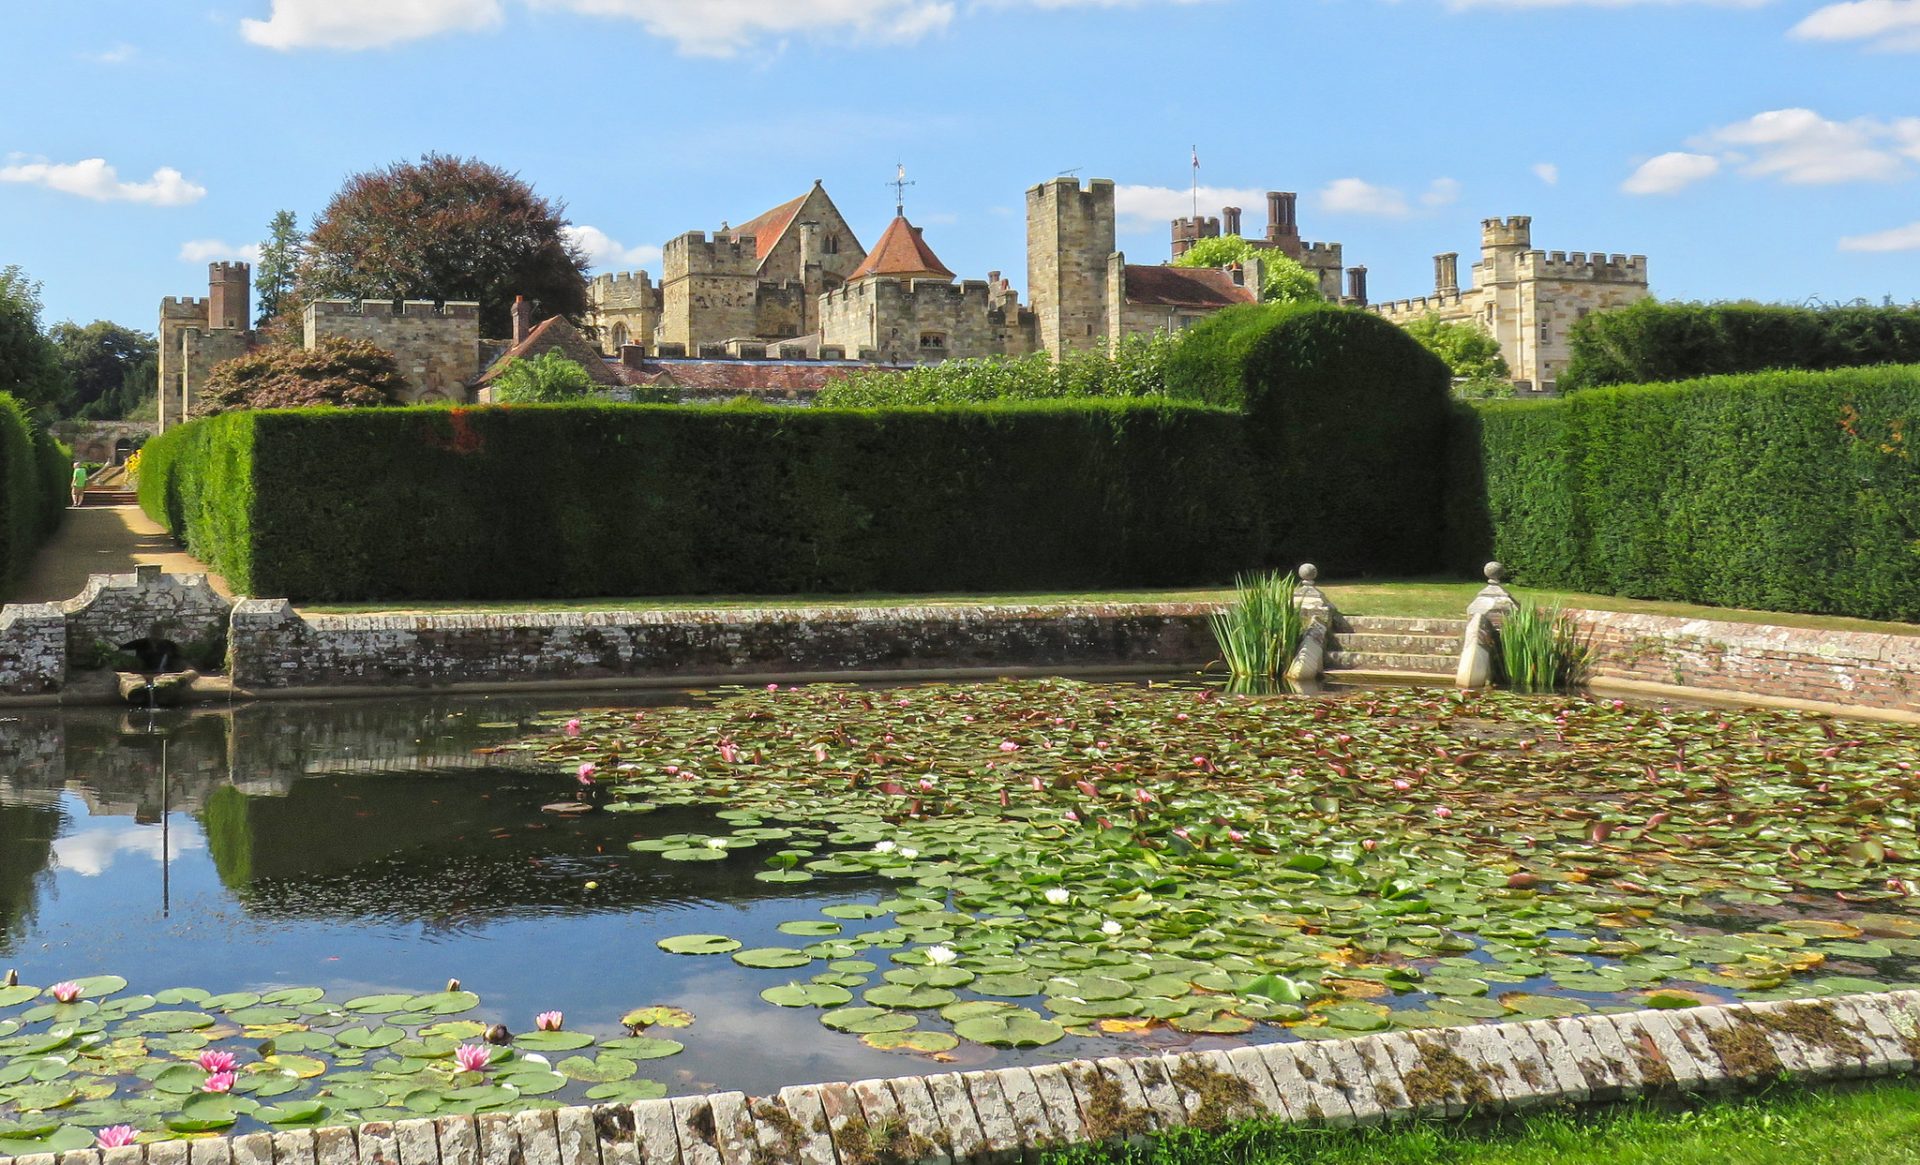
<point>91,852</point>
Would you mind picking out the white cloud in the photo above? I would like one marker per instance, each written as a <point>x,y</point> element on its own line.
<point>1906,238</point>
<point>1547,172</point>
<point>1670,172</point>
<point>367,24</point>
<point>1149,208</point>
<point>95,179</point>
<point>603,251</point>
<point>116,54</point>
<point>216,251</point>
<point>1801,147</point>
<point>91,852</point>
<point>1887,25</point>
<point>1464,4</point>
<point>1443,192</point>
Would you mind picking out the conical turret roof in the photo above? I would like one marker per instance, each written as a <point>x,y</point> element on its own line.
<point>901,253</point>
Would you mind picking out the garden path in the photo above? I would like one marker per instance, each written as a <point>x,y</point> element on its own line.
<point>103,540</point>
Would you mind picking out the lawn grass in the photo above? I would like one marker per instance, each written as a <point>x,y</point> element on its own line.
<point>1872,1124</point>
<point>1419,598</point>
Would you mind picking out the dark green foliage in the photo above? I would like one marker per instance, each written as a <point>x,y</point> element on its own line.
<point>34,474</point>
<point>1781,491</point>
<point>111,369</point>
<point>29,363</point>
<point>1652,342</point>
<point>1134,367</point>
<point>1350,416</point>
<point>582,500</point>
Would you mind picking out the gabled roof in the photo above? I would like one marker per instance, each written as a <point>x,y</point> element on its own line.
<point>901,253</point>
<point>555,334</point>
<point>1196,287</point>
<point>767,229</point>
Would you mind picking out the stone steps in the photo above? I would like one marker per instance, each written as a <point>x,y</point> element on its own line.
<point>1397,643</point>
<point>109,497</point>
<point>1391,661</point>
<point>1364,647</point>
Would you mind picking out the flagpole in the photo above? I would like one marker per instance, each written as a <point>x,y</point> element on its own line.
<point>1196,182</point>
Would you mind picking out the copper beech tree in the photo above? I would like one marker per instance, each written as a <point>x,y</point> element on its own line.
<point>445,228</point>
<point>343,373</point>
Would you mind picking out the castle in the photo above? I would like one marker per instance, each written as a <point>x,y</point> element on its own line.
<point>437,346</point>
<point>796,282</point>
<point>1528,299</point>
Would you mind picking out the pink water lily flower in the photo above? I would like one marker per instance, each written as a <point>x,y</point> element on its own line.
<point>1144,796</point>
<point>219,1082</point>
<point>573,727</point>
<point>548,1021</point>
<point>1009,746</point>
<point>211,1062</point>
<point>729,752</point>
<point>65,992</point>
<point>1443,812</point>
<point>116,1136</point>
<point>471,1057</point>
<point>586,772</point>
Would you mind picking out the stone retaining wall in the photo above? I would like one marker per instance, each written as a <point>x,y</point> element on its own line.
<point>1014,1114</point>
<point>1829,667</point>
<point>273,646</point>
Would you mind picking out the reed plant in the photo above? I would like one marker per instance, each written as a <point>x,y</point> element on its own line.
<point>1260,631</point>
<point>1543,650</point>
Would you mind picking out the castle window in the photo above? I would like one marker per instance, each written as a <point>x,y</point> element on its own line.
<point>1546,333</point>
<point>830,245</point>
<point>933,342</point>
<point>619,336</point>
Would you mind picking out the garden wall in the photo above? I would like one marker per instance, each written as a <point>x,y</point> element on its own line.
<point>1796,491</point>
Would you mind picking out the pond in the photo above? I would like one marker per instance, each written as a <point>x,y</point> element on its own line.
<point>749,889</point>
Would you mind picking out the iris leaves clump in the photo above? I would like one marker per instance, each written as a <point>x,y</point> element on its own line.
<point>1542,649</point>
<point>1260,630</point>
<point>1063,860</point>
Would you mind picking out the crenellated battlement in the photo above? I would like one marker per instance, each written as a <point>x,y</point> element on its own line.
<point>1320,254</point>
<point>1515,231</point>
<point>625,289</point>
<point>697,253</point>
<point>229,272</point>
<point>374,309</point>
<point>910,295</point>
<point>1097,190</point>
<point>1419,306</point>
<point>183,308</point>
<point>1597,267</point>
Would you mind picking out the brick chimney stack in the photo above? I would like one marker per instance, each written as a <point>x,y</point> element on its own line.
<point>1446,273</point>
<point>1230,220</point>
<point>1357,285</point>
<point>522,319</point>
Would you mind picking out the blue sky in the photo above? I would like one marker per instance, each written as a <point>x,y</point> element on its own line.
<point>1749,147</point>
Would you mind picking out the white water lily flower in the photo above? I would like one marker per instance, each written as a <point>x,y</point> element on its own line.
<point>883,847</point>
<point>1110,927</point>
<point>1059,897</point>
<point>909,854</point>
<point>716,843</point>
<point>941,956</point>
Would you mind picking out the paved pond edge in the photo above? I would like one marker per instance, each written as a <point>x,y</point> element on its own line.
<point>1016,1114</point>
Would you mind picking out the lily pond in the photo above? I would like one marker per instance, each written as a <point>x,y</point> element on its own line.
<point>285,915</point>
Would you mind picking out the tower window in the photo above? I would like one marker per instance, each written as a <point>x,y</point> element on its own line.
<point>830,245</point>
<point>933,342</point>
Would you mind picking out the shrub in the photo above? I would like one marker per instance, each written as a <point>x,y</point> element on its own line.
<point>1283,279</point>
<point>546,379</point>
<point>1135,367</point>
<point>1349,415</point>
<point>34,470</point>
<point>1651,342</point>
<point>1470,351</point>
<point>339,372</point>
<point>1781,491</point>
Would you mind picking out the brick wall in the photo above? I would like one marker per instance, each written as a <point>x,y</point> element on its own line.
<point>1830,667</point>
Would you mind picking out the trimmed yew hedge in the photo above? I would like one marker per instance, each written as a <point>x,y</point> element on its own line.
<point>35,472</point>
<point>1650,342</point>
<point>583,500</point>
<point>1784,491</point>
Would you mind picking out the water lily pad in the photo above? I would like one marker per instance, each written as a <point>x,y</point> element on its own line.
<point>1017,1028</point>
<point>603,1070</point>
<point>772,957</point>
<point>377,1004</point>
<point>899,995</point>
<point>371,1037</point>
<point>657,1016</point>
<point>910,1041</point>
<point>443,1003</point>
<point>807,995</point>
<point>560,1041</point>
<point>643,1047</point>
<point>867,1020</point>
<point>699,944</point>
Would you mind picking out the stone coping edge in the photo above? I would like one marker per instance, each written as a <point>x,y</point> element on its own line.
<point>749,616</point>
<point>1723,698</point>
<point>1017,1114</point>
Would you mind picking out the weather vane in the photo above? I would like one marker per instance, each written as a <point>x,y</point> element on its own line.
<point>900,185</point>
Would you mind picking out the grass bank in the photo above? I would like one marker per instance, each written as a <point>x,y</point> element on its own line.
<point>1874,1124</point>
<point>1423,598</point>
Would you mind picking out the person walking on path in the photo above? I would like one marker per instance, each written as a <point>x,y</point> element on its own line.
<point>79,482</point>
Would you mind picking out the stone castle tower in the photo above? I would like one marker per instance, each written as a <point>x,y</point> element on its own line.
<point>1526,299</point>
<point>1070,240</point>
<point>196,334</point>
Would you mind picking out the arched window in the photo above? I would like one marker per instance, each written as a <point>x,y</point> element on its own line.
<point>619,336</point>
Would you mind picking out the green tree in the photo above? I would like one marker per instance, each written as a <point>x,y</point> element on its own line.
<point>346,374</point>
<point>1285,280</point>
<point>446,228</point>
<point>544,379</point>
<point>278,272</point>
<point>29,363</point>
<point>1469,351</point>
<point>111,368</point>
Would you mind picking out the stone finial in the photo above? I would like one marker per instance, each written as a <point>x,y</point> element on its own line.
<point>1493,598</point>
<point>1310,596</point>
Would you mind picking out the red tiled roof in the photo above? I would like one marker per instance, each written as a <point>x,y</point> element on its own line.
<point>767,229</point>
<point>901,254</point>
<point>554,334</point>
<point>1199,287</point>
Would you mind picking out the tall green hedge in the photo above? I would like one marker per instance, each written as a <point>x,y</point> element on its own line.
<point>1786,491</point>
<point>1349,415</point>
<point>1651,342</point>
<point>584,500</point>
<point>34,469</point>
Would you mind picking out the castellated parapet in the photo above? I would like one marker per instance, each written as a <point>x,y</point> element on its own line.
<point>1514,231</point>
<point>927,320</point>
<point>626,309</point>
<point>437,346</point>
<point>1580,266</point>
<point>710,292</point>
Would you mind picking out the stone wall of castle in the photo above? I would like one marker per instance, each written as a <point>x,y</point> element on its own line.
<point>626,309</point>
<point>437,347</point>
<point>710,292</point>
<point>926,320</point>
<point>1070,241</point>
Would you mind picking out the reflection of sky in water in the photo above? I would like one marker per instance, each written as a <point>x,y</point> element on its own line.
<point>91,852</point>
